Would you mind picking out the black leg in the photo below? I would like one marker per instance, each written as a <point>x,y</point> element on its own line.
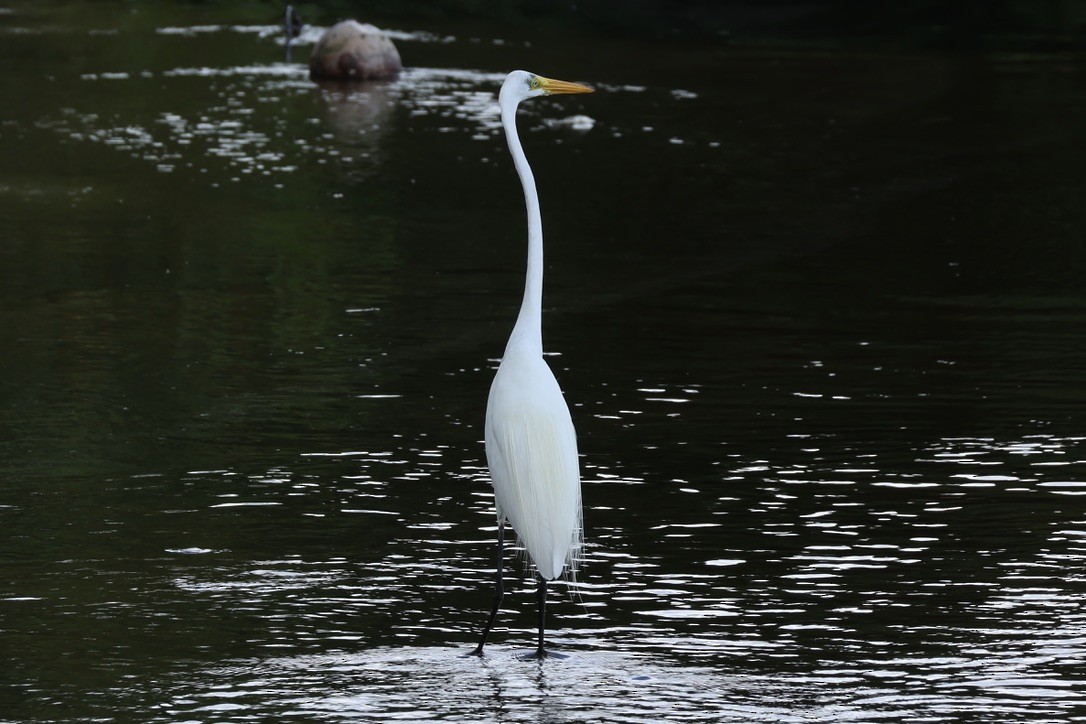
<point>541,651</point>
<point>541,595</point>
<point>499,589</point>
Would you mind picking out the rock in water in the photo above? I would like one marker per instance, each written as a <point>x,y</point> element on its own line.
<point>354,51</point>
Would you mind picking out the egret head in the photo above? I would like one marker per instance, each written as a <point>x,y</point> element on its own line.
<point>520,85</point>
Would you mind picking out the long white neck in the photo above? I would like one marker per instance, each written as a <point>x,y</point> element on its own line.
<point>528,331</point>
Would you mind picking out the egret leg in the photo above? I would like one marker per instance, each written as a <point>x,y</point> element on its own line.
<point>541,651</point>
<point>499,589</point>
<point>541,596</point>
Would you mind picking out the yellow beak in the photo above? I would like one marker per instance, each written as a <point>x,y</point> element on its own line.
<point>551,86</point>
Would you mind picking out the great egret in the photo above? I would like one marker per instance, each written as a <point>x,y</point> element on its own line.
<point>351,50</point>
<point>531,446</point>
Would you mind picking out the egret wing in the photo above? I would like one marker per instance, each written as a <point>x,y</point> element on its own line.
<point>531,449</point>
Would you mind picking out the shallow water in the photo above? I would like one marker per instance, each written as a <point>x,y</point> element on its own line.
<point>819,315</point>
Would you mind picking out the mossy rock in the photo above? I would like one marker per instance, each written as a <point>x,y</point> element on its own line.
<point>354,51</point>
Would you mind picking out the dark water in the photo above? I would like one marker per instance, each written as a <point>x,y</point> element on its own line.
<point>819,313</point>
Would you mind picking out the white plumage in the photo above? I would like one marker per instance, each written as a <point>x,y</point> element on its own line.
<point>531,449</point>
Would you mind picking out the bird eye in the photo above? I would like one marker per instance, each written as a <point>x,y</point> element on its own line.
<point>534,83</point>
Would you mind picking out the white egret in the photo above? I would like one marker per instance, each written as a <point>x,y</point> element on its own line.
<point>531,446</point>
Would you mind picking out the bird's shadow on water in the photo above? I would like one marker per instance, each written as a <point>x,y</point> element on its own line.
<point>442,684</point>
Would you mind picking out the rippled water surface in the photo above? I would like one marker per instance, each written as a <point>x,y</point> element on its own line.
<point>819,315</point>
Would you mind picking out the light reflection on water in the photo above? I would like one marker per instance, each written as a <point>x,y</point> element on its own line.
<point>884,609</point>
<point>260,141</point>
<point>391,683</point>
<point>396,683</point>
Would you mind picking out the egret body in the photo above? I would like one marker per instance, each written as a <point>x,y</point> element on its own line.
<point>531,446</point>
